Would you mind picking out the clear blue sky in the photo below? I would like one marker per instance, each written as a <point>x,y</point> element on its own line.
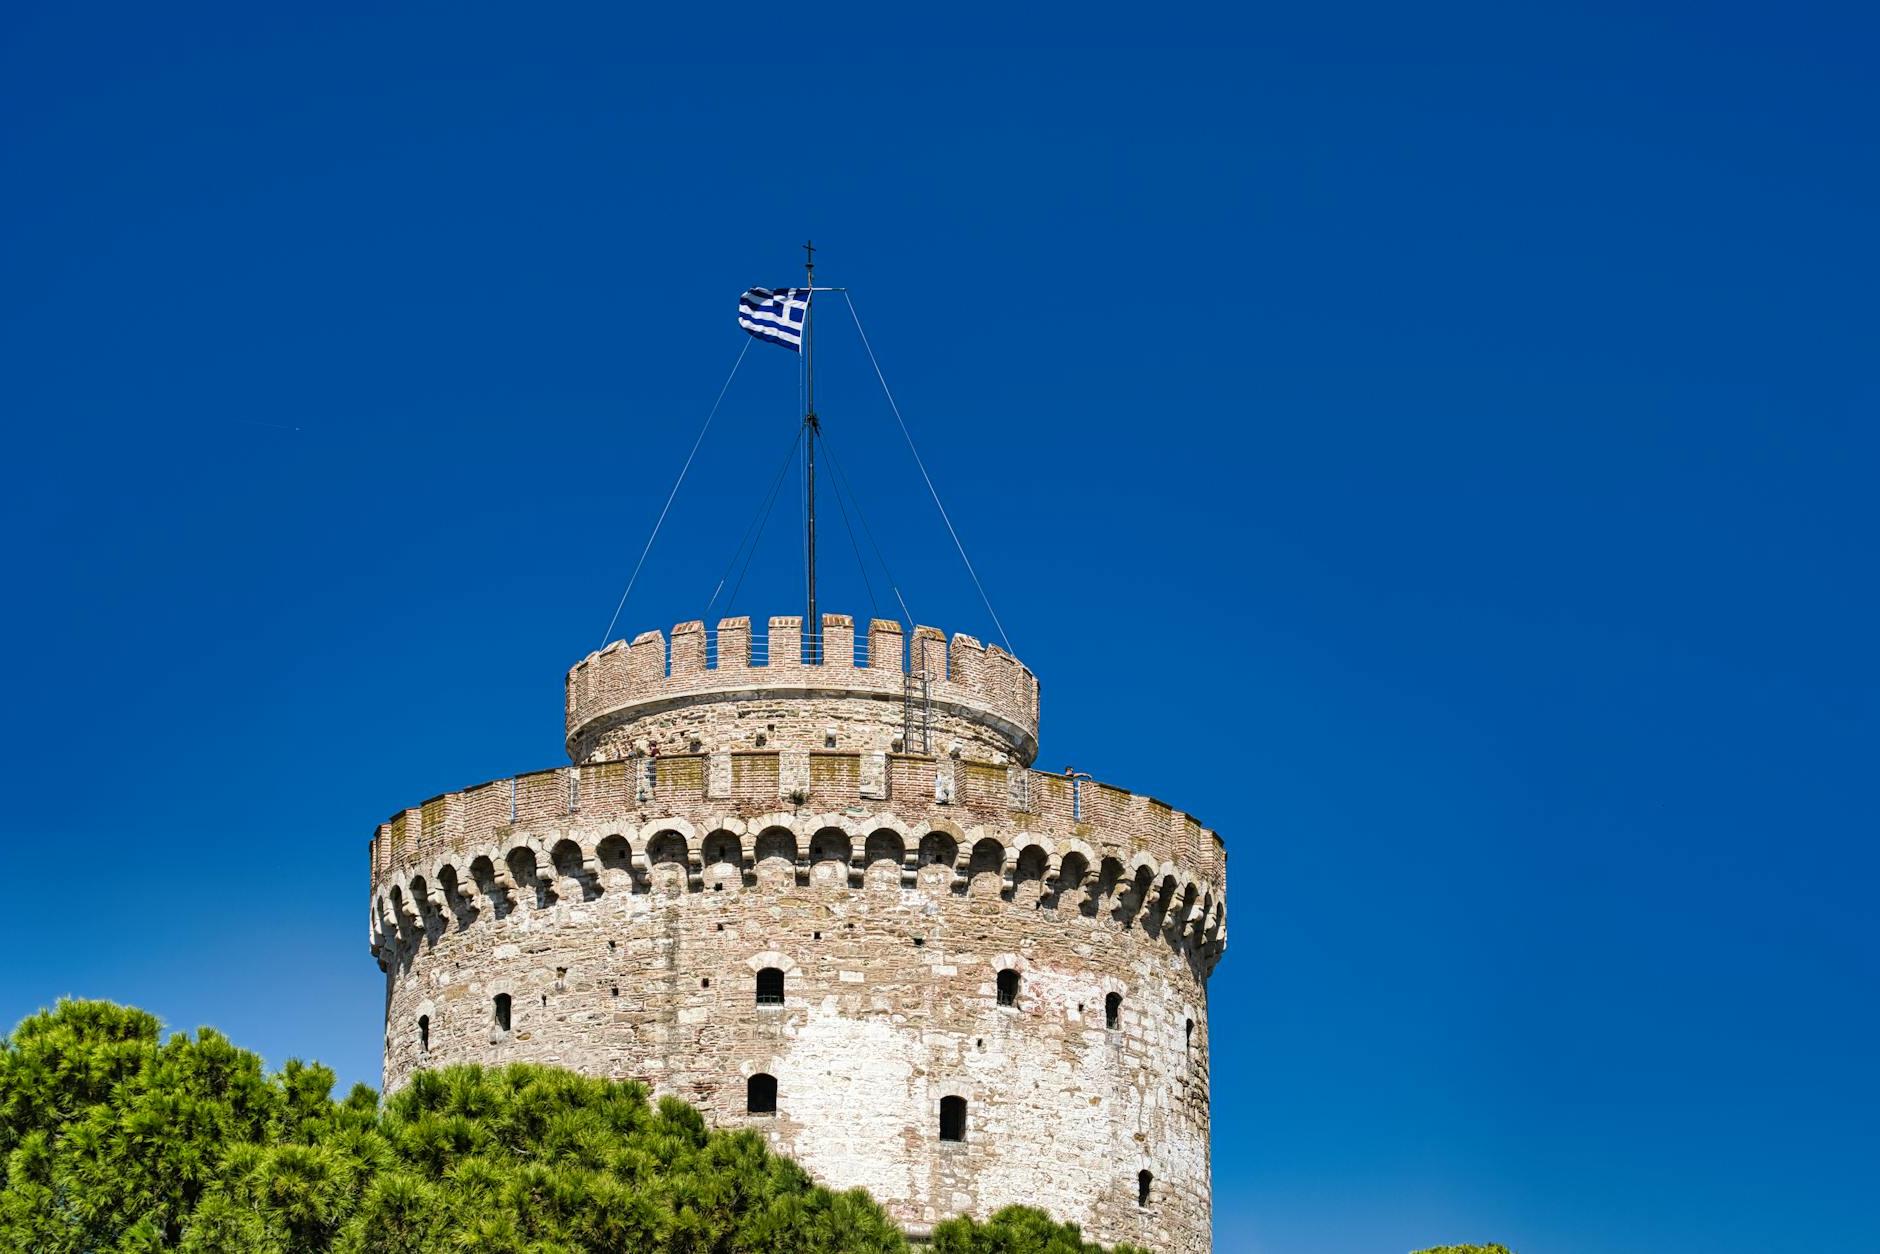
<point>1438,450</point>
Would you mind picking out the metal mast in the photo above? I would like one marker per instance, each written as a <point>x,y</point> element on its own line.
<point>812,627</point>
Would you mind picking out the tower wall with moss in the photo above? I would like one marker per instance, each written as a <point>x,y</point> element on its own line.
<point>948,924</point>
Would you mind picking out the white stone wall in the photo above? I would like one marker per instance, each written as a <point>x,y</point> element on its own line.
<point>845,722</point>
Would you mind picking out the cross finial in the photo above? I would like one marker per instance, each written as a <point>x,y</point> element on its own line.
<point>809,262</point>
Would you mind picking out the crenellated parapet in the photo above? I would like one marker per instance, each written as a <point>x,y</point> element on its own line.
<point>419,897</point>
<point>706,816</point>
<point>885,691</point>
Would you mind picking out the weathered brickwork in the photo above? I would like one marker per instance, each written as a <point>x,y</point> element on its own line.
<point>721,692</point>
<point>626,906</point>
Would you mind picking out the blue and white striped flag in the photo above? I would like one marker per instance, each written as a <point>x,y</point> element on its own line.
<point>775,316</point>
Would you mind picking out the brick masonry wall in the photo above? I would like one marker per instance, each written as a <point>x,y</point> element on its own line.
<point>625,907</point>
<point>762,719</point>
<point>697,690</point>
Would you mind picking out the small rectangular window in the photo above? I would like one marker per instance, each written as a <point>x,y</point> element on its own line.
<point>502,1012</point>
<point>953,1119</point>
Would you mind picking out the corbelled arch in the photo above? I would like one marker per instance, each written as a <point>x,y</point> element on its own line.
<point>884,855</point>
<point>1069,888</point>
<point>831,853</point>
<point>570,864</point>
<point>1031,869</point>
<point>775,855</point>
<point>938,857</point>
<point>985,867</point>
<point>721,857</point>
<point>613,859</point>
<point>683,828</point>
<point>525,870</point>
<point>457,886</point>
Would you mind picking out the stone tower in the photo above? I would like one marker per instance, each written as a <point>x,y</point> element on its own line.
<point>832,902</point>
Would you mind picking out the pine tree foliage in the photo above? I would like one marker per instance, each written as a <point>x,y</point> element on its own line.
<point>1016,1230</point>
<point>114,1139</point>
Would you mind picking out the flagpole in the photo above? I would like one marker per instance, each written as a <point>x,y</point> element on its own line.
<point>812,628</point>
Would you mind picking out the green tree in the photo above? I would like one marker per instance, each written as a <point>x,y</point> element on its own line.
<point>115,1139</point>
<point>1016,1230</point>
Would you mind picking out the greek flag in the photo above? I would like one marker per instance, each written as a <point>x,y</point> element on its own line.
<point>775,316</point>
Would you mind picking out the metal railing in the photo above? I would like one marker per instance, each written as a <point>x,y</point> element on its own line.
<point>1077,779</point>
<point>810,651</point>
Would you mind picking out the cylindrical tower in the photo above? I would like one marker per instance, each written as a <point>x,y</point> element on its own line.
<point>833,902</point>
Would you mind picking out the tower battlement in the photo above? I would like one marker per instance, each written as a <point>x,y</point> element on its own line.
<point>650,695</point>
<point>1081,832</point>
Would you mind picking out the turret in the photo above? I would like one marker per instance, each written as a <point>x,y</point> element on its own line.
<point>727,691</point>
